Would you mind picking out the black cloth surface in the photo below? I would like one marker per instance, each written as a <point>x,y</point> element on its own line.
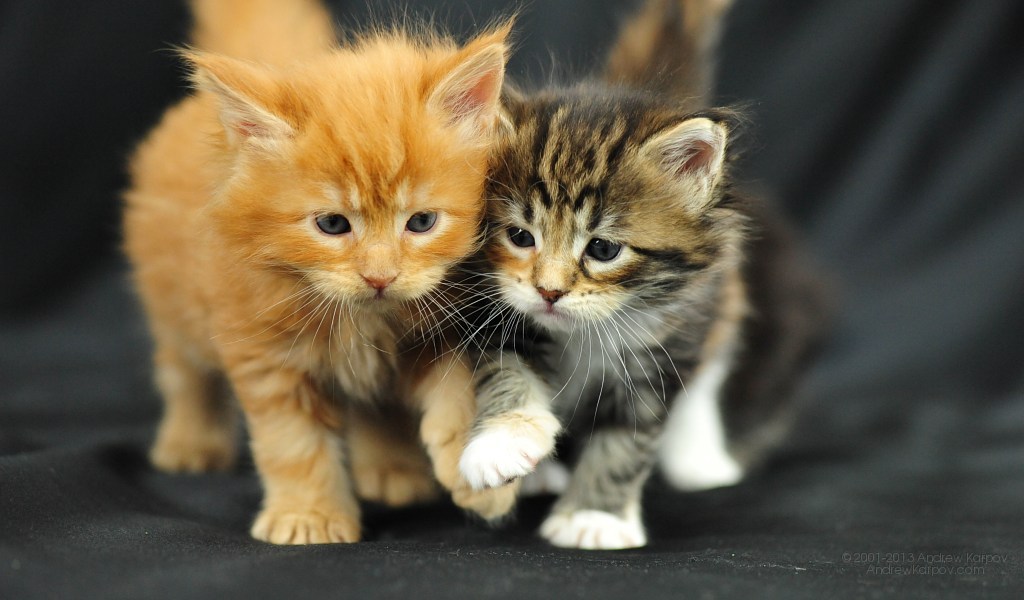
<point>892,131</point>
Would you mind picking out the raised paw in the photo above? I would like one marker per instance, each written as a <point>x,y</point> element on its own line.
<point>508,448</point>
<point>193,451</point>
<point>394,486</point>
<point>593,530</point>
<point>491,504</point>
<point>311,526</point>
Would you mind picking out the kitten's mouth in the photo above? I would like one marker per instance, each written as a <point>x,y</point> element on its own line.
<point>551,313</point>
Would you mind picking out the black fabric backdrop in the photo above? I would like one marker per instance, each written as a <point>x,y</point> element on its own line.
<point>891,130</point>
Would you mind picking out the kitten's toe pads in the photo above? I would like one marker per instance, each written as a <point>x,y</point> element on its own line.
<point>508,449</point>
<point>593,530</point>
<point>305,527</point>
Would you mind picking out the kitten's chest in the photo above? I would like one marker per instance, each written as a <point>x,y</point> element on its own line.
<point>610,366</point>
<point>584,367</point>
<point>361,358</point>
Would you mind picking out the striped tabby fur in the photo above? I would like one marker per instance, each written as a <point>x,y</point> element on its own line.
<point>704,305</point>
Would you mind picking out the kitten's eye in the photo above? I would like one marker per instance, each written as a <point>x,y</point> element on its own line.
<point>421,222</point>
<point>333,224</point>
<point>521,237</point>
<point>603,250</point>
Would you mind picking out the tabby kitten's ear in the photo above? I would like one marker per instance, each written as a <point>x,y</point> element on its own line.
<point>246,94</point>
<point>692,152</point>
<point>469,93</point>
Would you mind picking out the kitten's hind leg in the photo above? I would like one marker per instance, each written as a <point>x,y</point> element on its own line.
<point>601,508</point>
<point>198,429</point>
<point>694,455</point>
<point>388,463</point>
<point>515,428</point>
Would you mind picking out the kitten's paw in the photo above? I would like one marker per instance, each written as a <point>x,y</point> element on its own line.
<point>394,486</point>
<point>491,504</point>
<point>508,448</point>
<point>550,477</point>
<point>593,530</point>
<point>193,451</point>
<point>313,526</point>
<point>692,472</point>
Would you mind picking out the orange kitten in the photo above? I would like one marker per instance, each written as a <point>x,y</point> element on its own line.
<point>286,223</point>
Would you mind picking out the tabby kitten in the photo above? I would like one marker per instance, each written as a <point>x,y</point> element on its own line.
<point>636,289</point>
<point>285,224</point>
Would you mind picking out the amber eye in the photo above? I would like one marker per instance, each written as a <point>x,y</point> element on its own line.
<point>421,222</point>
<point>603,250</point>
<point>521,237</point>
<point>333,224</point>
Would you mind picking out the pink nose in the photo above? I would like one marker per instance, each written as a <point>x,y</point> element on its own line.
<point>551,296</point>
<point>378,283</point>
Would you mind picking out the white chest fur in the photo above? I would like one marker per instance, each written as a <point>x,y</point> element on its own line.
<point>361,355</point>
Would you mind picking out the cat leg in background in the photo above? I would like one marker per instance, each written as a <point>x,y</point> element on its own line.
<point>446,396</point>
<point>694,452</point>
<point>694,455</point>
<point>198,431</point>
<point>296,444</point>
<point>601,508</point>
<point>514,428</point>
<point>388,463</point>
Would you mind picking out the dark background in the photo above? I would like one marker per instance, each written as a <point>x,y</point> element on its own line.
<point>890,130</point>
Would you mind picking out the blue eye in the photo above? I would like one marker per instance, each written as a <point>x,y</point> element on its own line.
<point>521,237</point>
<point>333,224</point>
<point>421,222</point>
<point>603,250</point>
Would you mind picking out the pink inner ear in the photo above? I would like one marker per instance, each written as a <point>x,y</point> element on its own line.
<point>698,155</point>
<point>469,101</point>
<point>248,128</point>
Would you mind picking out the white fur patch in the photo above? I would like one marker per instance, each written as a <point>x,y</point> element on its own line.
<point>595,530</point>
<point>509,450</point>
<point>693,453</point>
<point>550,477</point>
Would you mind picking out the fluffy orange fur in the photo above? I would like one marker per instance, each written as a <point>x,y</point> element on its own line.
<point>241,286</point>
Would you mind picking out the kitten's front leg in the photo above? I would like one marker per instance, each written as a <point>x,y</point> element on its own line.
<point>601,508</point>
<point>298,452</point>
<point>446,396</point>
<point>514,427</point>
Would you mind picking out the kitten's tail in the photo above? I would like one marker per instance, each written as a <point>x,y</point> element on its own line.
<point>669,47</point>
<point>267,31</point>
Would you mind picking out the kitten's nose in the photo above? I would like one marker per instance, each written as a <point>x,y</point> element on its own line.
<point>551,296</point>
<point>379,282</point>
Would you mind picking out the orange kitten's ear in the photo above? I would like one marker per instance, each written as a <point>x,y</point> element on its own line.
<point>245,92</point>
<point>469,93</point>
<point>693,152</point>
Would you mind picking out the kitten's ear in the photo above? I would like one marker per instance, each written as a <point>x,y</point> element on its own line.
<point>245,93</point>
<point>694,153</point>
<point>469,92</point>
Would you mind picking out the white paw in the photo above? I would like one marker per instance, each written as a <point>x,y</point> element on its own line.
<point>508,449</point>
<point>693,472</point>
<point>550,477</point>
<point>594,530</point>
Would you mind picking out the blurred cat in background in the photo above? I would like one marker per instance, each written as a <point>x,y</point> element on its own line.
<point>286,223</point>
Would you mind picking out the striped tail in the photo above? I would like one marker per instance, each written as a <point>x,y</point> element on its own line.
<point>669,47</point>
